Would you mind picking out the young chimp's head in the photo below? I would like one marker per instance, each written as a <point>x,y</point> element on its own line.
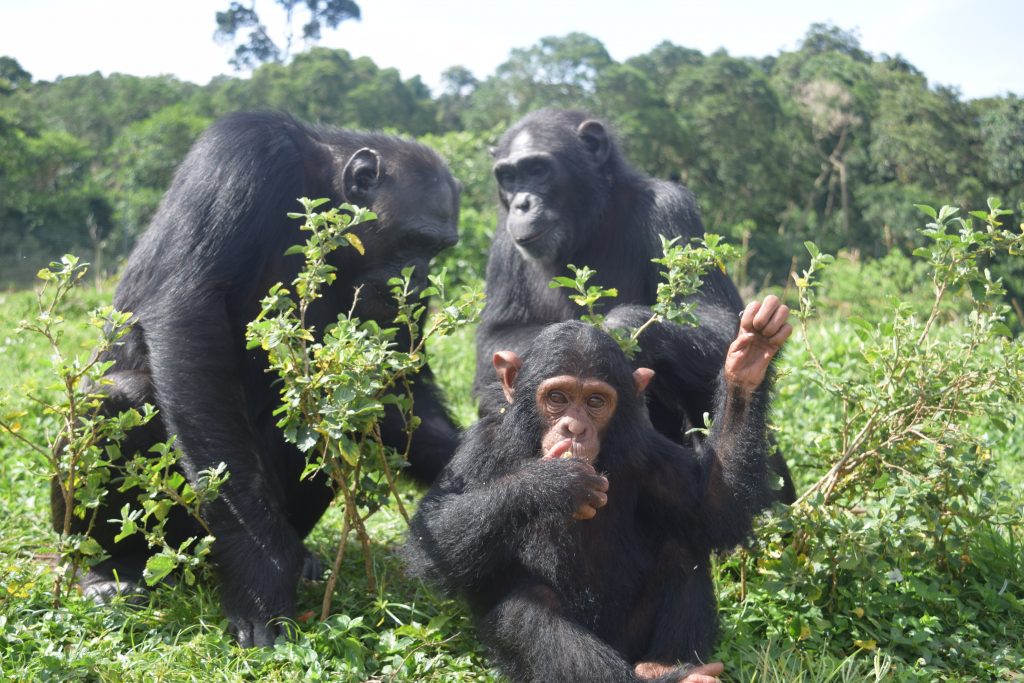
<point>574,386</point>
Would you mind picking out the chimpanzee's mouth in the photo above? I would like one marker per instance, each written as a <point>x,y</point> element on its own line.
<point>532,237</point>
<point>568,448</point>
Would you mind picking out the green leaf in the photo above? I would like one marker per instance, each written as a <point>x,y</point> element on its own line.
<point>928,210</point>
<point>128,527</point>
<point>157,567</point>
<point>90,548</point>
<point>1002,330</point>
<point>862,323</point>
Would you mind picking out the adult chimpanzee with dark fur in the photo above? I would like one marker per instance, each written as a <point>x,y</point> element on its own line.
<point>568,196</point>
<point>579,533</point>
<point>214,248</point>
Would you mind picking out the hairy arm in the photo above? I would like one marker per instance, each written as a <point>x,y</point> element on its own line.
<point>731,472</point>
<point>194,367</point>
<point>491,508</point>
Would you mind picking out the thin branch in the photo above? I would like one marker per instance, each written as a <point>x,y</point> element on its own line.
<point>339,555</point>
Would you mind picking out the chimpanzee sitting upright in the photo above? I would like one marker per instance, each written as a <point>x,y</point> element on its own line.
<point>214,248</point>
<point>574,575</point>
<point>568,196</point>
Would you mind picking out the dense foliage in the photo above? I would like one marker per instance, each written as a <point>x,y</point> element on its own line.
<point>827,142</point>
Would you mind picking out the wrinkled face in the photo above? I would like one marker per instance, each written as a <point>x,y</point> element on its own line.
<point>532,188</point>
<point>575,412</point>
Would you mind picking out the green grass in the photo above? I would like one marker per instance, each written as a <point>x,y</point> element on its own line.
<point>403,631</point>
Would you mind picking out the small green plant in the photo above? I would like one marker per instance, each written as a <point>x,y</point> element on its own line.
<point>162,486</point>
<point>82,456</point>
<point>684,269</point>
<point>337,383</point>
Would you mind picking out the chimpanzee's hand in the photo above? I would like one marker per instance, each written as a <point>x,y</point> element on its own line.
<point>259,595</point>
<point>578,484</point>
<point>253,631</point>
<point>763,331</point>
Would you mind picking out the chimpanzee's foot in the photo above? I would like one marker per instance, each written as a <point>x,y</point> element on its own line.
<point>113,578</point>
<point>312,567</point>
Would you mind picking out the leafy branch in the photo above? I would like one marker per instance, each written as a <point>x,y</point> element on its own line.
<point>684,267</point>
<point>336,384</point>
<point>82,452</point>
<point>923,388</point>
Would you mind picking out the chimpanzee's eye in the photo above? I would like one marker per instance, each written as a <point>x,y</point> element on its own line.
<point>596,401</point>
<point>506,176</point>
<point>558,398</point>
<point>536,170</point>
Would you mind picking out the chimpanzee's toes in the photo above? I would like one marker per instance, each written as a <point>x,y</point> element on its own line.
<point>105,591</point>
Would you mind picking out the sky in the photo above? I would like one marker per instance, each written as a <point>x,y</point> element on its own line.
<point>973,45</point>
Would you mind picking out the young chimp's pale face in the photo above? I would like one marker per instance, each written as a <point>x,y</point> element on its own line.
<point>576,412</point>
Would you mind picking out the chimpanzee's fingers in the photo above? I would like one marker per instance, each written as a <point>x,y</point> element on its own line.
<point>597,482</point>
<point>765,313</point>
<point>589,476</point>
<point>780,337</point>
<point>584,512</point>
<point>775,323</point>
<point>747,318</point>
<point>589,509</point>
<point>582,465</point>
<point>711,669</point>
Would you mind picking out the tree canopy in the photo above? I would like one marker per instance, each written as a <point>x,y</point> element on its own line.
<point>826,142</point>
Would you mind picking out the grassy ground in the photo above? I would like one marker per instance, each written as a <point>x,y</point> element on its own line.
<point>401,632</point>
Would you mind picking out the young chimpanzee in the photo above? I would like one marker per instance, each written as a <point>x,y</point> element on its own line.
<point>579,534</point>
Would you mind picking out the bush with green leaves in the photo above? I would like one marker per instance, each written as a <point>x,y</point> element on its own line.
<point>903,543</point>
<point>82,457</point>
<point>684,267</point>
<point>337,383</point>
<point>909,568</point>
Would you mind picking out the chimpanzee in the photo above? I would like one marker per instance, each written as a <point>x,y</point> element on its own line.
<point>214,248</point>
<point>567,196</point>
<point>578,532</point>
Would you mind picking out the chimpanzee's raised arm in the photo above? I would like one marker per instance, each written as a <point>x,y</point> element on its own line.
<point>732,470</point>
<point>737,487</point>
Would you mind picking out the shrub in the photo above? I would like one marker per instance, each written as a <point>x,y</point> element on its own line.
<point>904,543</point>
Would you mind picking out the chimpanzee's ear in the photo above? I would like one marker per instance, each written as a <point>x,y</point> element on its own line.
<point>595,137</point>
<point>361,176</point>
<point>641,378</point>
<point>507,364</point>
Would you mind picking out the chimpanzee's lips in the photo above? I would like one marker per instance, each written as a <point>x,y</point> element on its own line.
<point>523,240</point>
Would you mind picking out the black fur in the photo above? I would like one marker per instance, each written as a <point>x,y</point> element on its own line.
<point>193,282</point>
<point>595,210</point>
<point>563,600</point>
